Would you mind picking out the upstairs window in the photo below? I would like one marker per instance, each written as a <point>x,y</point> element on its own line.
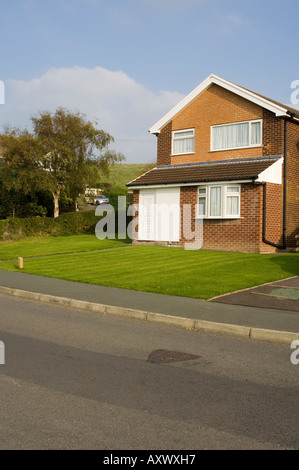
<point>183,142</point>
<point>237,135</point>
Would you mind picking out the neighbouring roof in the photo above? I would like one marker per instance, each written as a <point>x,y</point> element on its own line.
<point>277,108</point>
<point>224,170</point>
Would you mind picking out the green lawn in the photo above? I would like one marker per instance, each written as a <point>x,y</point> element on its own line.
<point>174,271</point>
<point>54,245</point>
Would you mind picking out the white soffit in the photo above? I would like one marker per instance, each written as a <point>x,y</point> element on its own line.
<point>214,79</point>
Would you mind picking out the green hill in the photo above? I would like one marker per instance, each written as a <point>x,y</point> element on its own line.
<point>123,173</point>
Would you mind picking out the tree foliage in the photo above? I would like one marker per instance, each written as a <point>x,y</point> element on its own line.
<point>64,152</point>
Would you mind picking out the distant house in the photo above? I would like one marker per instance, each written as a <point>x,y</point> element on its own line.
<point>232,155</point>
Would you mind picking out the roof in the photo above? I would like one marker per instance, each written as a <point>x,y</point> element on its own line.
<point>277,108</point>
<point>224,170</point>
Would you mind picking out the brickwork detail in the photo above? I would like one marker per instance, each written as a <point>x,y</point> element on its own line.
<point>293,183</point>
<point>164,145</point>
<point>244,234</point>
<point>273,134</point>
<point>274,215</point>
<point>215,106</point>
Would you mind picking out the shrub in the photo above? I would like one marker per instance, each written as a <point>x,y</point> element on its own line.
<point>66,224</point>
<point>70,223</point>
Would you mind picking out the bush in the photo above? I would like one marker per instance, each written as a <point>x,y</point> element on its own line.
<point>70,223</point>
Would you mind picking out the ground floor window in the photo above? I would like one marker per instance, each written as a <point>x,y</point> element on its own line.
<point>219,201</point>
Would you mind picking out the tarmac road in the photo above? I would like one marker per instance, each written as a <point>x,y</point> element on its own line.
<point>77,380</point>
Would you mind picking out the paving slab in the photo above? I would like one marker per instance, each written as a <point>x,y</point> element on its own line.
<point>278,295</point>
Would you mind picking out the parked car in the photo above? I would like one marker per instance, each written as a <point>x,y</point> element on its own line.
<point>101,200</point>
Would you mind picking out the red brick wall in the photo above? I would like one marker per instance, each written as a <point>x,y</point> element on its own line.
<point>273,134</point>
<point>244,234</point>
<point>164,143</point>
<point>293,183</point>
<point>274,214</point>
<point>214,106</point>
<point>188,197</point>
<point>219,106</point>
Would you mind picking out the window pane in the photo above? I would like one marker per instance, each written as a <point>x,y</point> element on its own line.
<point>202,206</point>
<point>215,202</point>
<point>233,189</point>
<point>256,133</point>
<point>202,190</point>
<point>231,136</point>
<point>183,146</point>
<point>183,134</point>
<point>232,205</point>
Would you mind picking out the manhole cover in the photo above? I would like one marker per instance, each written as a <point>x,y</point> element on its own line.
<point>160,356</point>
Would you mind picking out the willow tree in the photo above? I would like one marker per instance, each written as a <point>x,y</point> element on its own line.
<point>65,151</point>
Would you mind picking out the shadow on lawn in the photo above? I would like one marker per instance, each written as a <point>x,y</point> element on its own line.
<point>288,262</point>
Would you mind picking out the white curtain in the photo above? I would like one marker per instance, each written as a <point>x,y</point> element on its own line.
<point>232,205</point>
<point>215,201</point>
<point>231,136</point>
<point>183,142</point>
<point>255,133</point>
<point>202,205</point>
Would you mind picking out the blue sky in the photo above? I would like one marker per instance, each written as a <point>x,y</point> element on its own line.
<point>128,62</point>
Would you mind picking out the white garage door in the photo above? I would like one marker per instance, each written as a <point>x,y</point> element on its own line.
<point>159,214</point>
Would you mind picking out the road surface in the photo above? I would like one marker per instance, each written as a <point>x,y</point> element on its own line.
<point>77,380</point>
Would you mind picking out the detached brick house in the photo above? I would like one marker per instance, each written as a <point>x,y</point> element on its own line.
<point>232,155</point>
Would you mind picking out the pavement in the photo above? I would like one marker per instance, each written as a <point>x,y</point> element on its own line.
<point>273,319</point>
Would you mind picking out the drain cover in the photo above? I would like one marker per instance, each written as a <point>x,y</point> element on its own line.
<point>160,356</point>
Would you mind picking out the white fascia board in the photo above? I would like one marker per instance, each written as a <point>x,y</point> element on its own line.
<point>198,183</point>
<point>273,174</point>
<point>155,129</point>
<point>248,95</point>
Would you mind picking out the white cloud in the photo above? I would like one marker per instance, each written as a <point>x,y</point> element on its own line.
<point>232,22</point>
<point>123,107</point>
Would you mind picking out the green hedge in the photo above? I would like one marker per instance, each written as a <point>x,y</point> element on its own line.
<point>66,224</point>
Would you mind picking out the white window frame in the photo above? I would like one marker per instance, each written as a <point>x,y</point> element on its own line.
<point>243,147</point>
<point>227,194</point>
<point>224,194</point>
<point>205,197</point>
<point>178,138</point>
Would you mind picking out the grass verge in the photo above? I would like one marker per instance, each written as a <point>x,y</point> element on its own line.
<point>54,245</point>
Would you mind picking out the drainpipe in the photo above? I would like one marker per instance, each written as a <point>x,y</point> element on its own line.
<point>284,216</point>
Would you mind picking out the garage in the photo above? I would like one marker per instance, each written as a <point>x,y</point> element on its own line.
<point>159,214</point>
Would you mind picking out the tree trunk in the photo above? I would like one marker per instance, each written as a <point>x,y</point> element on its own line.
<point>56,204</point>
